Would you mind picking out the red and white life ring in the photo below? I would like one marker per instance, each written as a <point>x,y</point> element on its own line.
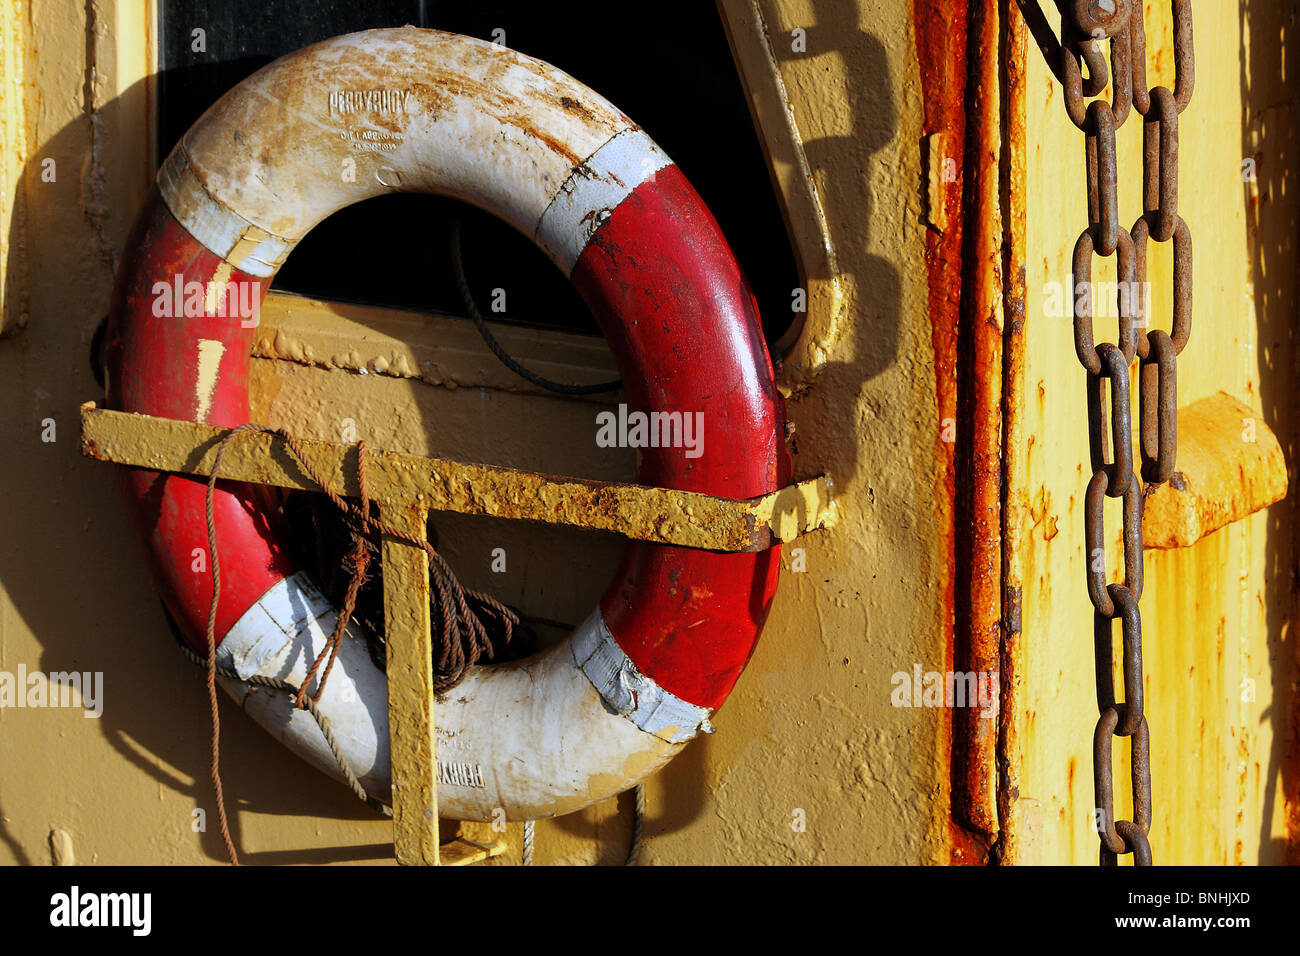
<point>422,111</point>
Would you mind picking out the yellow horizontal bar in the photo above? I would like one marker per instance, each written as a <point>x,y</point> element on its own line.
<point>1230,465</point>
<point>660,515</point>
<point>462,852</point>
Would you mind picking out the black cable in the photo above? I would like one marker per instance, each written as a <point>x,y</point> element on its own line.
<point>467,298</point>
<point>97,352</point>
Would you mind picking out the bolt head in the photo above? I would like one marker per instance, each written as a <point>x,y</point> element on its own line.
<point>1101,17</point>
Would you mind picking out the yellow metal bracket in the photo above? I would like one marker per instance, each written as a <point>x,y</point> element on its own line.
<point>661,515</point>
<point>406,488</point>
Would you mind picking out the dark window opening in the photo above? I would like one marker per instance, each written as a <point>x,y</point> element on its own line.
<point>671,71</point>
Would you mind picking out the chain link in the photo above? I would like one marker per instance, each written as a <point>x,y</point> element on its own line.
<point>1088,26</point>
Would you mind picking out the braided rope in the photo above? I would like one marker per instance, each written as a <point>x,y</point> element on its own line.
<point>634,847</point>
<point>213,714</point>
<point>359,559</point>
<point>310,706</point>
<point>465,638</point>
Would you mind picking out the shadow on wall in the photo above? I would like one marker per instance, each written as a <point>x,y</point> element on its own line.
<point>66,527</point>
<point>8,839</point>
<point>1270,138</point>
<point>841,166</point>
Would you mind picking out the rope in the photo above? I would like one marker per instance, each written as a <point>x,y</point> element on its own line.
<point>215,769</point>
<point>467,298</point>
<point>465,639</point>
<point>354,783</point>
<point>634,848</point>
<point>638,817</point>
<point>358,559</point>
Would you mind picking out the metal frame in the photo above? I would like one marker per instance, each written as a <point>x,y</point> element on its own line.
<point>803,352</point>
<point>406,488</point>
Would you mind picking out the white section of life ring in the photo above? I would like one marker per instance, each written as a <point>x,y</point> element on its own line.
<point>537,737</point>
<point>480,139</point>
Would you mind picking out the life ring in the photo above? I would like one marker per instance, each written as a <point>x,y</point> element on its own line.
<point>424,111</point>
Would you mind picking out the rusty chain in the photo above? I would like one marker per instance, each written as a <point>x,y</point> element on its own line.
<point>1087,27</point>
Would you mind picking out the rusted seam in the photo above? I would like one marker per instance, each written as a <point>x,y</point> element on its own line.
<point>1014,46</point>
<point>978,611</point>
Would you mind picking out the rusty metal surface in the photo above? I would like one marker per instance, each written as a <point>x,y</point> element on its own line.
<point>1216,615</point>
<point>978,611</point>
<point>1015,46</point>
<point>977,310</point>
<point>661,515</point>
<point>1230,465</point>
<point>941,51</point>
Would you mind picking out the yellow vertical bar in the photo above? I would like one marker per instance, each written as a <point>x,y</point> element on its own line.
<point>410,690</point>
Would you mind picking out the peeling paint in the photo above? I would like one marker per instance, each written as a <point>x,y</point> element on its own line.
<point>205,383</point>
